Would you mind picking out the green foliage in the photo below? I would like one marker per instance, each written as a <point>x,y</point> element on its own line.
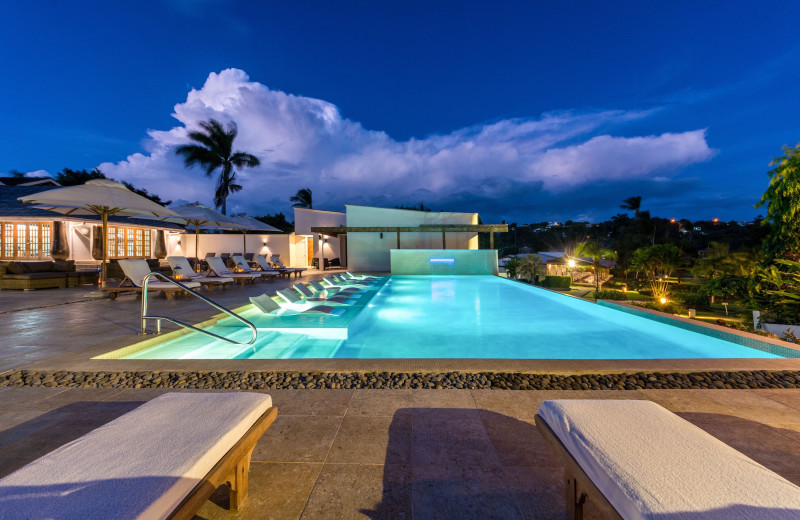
<point>726,286</point>
<point>279,221</point>
<point>657,262</point>
<point>594,250</point>
<point>532,267</point>
<point>421,207</point>
<point>68,177</point>
<point>693,300</point>
<point>302,199</point>
<point>144,193</point>
<point>557,282</point>
<point>610,295</point>
<point>671,307</point>
<point>215,151</point>
<point>783,204</point>
<point>512,267</point>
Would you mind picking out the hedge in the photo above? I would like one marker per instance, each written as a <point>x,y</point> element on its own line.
<point>557,282</point>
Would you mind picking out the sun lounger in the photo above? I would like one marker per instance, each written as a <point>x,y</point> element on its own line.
<point>135,270</point>
<point>637,460</point>
<point>242,264</point>
<point>267,305</point>
<point>264,265</point>
<point>181,262</point>
<point>276,259</point>
<point>217,266</point>
<point>162,460</point>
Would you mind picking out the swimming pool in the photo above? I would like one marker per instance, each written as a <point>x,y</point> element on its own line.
<point>461,317</point>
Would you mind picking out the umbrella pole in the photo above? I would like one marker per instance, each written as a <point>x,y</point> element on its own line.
<point>104,217</point>
<point>196,247</point>
<point>244,243</point>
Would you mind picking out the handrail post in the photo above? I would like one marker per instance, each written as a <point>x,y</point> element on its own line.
<point>214,304</point>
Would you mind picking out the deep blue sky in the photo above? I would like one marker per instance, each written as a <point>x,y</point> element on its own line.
<point>82,82</point>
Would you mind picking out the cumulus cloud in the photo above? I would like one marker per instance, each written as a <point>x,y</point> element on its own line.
<point>305,142</point>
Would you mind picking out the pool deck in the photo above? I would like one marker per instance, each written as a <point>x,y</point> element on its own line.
<point>361,453</point>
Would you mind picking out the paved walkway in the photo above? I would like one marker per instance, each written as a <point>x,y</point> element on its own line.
<point>419,454</point>
<point>37,325</point>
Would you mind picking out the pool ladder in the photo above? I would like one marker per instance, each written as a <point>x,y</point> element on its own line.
<point>214,304</point>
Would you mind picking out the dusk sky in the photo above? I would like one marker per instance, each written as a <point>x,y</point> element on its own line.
<point>520,111</point>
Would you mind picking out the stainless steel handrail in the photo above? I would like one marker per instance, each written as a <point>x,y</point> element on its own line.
<point>214,304</point>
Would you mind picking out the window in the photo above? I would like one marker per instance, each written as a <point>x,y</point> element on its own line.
<point>128,242</point>
<point>25,240</point>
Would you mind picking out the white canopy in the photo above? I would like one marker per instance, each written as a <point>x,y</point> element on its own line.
<point>102,197</point>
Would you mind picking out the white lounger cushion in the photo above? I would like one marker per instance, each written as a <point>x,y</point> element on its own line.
<point>649,463</point>
<point>137,269</point>
<point>140,465</point>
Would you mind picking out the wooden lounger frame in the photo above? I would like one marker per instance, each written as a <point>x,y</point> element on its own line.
<point>122,288</point>
<point>577,484</point>
<point>232,469</point>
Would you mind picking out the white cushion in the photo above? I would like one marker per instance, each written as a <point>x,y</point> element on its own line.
<point>651,464</point>
<point>141,465</point>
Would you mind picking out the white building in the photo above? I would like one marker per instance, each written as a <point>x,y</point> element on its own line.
<point>362,237</point>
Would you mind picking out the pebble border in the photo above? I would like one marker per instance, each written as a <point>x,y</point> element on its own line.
<point>260,380</point>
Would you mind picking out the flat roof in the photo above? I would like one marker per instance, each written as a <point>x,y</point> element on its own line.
<point>425,228</point>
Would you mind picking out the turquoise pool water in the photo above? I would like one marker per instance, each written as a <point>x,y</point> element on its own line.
<point>459,317</point>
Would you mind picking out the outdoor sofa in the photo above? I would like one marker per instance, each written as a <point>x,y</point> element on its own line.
<point>637,460</point>
<point>162,460</point>
<point>30,275</point>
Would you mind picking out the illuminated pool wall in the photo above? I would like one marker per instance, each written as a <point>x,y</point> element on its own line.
<point>444,262</point>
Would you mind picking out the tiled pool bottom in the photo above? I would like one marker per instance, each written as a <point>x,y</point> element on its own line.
<point>465,317</point>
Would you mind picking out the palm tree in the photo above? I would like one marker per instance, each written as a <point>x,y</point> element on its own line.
<point>632,204</point>
<point>595,250</point>
<point>531,265</point>
<point>302,199</point>
<point>215,150</point>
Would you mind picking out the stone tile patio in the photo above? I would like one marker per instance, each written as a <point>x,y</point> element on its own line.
<point>406,453</point>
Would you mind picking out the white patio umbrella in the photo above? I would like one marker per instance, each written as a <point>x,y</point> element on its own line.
<point>197,215</point>
<point>251,224</point>
<point>101,197</point>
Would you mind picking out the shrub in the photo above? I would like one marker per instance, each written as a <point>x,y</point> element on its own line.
<point>606,294</point>
<point>690,300</point>
<point>669,307</point>
<point>745,328</point>
<point>557,282</point>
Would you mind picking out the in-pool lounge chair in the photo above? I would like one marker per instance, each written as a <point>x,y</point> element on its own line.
<point>267,305</point>
<point>135,270</point>
<point>162,460</point>
<point>332,288</point>
<point>637,460</point>
<point>217,266</point>
<point>293,298</point>
<point>242,264</point>
<point>309,295</point>
<point>265,267</point>
<point>180,262</point>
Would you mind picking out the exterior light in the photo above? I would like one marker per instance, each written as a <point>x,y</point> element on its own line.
<point>663,300</point>
<point>716,220</point>
<point>571,263</point>
<point>672,220</point>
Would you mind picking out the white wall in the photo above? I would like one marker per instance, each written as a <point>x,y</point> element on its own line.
<point>229,243</point>
<point>460,262</point>
<point>369,252</point>
<point>305,219</point>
